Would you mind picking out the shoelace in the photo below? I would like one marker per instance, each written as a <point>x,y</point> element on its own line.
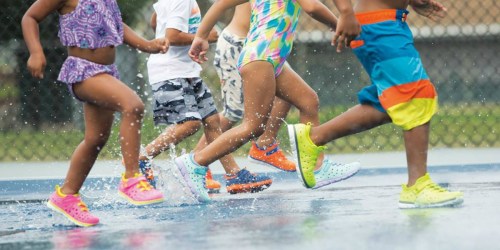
<point>144,186</point>
<point>435,187</point>
<point>83,206</point>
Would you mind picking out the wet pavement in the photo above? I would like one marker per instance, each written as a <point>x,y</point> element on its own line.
<point>359,213</point>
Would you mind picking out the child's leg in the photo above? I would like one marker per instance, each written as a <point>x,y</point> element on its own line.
<point>417,145</point>
<point>174,134</point>
<point>105,91</point>
<point>278,114</point>
<point>98,121</point>
<point>293,89</point>
<point>259,86</point>
<point>212,131</point>
<point>225,125</point>
<point>357,119</point>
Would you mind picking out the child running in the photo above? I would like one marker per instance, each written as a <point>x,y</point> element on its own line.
<point>265,150</point>
<point>264,74</point>
<point>91,30</point>
<point>181,98</point>
<point>401,93</point>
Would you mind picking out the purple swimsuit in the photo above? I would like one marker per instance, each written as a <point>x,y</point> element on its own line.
<point>92,24</point>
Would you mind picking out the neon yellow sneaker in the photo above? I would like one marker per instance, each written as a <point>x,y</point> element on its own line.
<point>427,194</point>
<point>305,152</point>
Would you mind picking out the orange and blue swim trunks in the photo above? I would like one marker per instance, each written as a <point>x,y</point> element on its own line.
<point>399,83</point>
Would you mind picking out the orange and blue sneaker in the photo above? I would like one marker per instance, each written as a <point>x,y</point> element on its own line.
<point>194,175</point>
<point>72,207</point>
<point>305,152</point>
<point>146,167</point>
<point>427,194</point>
<point>331,172</point>
<point>271,156</point>
<point>244,182</point>
<point>212,185</point>
<point>138,191</point>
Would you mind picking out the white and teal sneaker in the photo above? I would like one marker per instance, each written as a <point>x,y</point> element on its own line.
<point>331,172</point>
<point>194,175</point>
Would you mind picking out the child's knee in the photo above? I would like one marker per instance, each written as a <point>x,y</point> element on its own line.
<point>96,141</point>
<point>134,107</point>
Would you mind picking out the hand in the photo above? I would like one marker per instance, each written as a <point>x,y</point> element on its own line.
<point>429,8</point>
<point>348,29</point>
<point>36,65</point>
<point>198,50</point>
<point>159,45</point>
<point>213,36</point>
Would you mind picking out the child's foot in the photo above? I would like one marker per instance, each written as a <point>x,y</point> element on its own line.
<point>244,181</point>
<point>72,207</point>
<point>427,194</point>
<point>305,152</point>
<point>331,172</point>
<point>212,185</point>
<point>146,167</point>
<point>271,156</point>
<point>138,191</point>
<point>194,175</point>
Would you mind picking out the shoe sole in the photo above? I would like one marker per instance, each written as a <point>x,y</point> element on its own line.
<point>213,190</point>
<point>249,188</point>
<point>296,154</point>
<point>450,203</point>
<point>267,164</point>
<point>56,209</point>
<point>326,183</point>
<point>141,203</point>
<point>185,175</point>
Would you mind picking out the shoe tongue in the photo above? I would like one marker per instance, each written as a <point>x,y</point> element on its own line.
<point>423,181</point>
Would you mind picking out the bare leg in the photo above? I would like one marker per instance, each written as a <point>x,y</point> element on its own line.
<point>357,119</point>
<point>293,89</point>
<point>225,125</point>
<point>278,114</point>
<point>174,134</point>
<point>98,122</point>
<point>259,86</point>
<point>212,131</point>
<point>417,145</point>
<point>104,95</point>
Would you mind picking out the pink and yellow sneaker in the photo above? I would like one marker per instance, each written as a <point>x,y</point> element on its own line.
<point>138,191</point>
<point>72,207</point>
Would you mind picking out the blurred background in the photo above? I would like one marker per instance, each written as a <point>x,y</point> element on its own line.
<point>40,120</point>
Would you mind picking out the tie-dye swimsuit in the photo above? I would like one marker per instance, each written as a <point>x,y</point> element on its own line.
<point>272,28</point>
<point>92,24</point>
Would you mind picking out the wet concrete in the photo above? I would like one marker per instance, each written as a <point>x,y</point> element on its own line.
<point>359,213</point>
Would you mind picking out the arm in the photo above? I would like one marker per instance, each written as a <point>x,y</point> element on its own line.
<point>320,12</point>
<point>199,47</point>
<point>135,41</point>
<point>179,38</point>
<point>429,8</point>
<point>33,16</point>
<point>152,22</point>
<point>348,27</point>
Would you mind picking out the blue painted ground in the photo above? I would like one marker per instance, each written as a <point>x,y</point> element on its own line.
<point>359,213</point>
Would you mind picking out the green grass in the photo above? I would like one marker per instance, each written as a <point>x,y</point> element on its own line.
<point>452,127</point>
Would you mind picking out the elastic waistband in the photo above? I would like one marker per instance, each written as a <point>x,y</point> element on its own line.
<point>382,16</point>
<point>232,38</point>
